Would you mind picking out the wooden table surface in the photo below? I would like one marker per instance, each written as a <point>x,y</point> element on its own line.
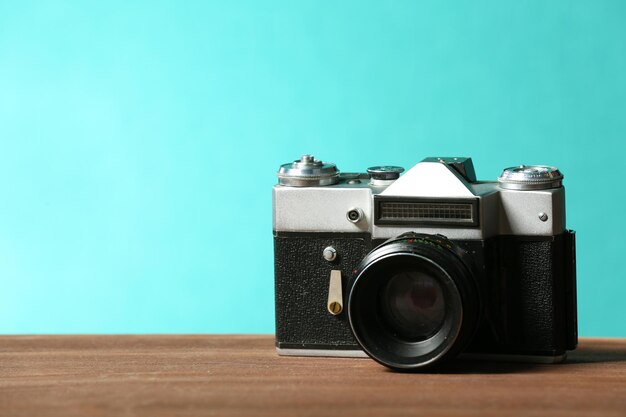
<point>226,375</point>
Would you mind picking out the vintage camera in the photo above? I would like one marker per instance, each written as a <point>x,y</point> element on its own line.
<point>414,270</point>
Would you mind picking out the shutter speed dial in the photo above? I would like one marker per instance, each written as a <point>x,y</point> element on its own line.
<point>308,172</point>
<point>530,177</point>
<point>385,173</point>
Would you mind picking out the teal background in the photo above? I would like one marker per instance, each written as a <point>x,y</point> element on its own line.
<point>139,140</point>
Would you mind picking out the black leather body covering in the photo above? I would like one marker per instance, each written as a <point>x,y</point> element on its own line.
<point>528,286</point>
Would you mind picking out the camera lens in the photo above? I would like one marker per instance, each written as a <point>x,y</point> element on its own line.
<point>414,302</point>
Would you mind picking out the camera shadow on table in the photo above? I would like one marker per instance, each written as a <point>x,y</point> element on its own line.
<point>473,366</point>
<point>587,354</point>
<point>605,351</point>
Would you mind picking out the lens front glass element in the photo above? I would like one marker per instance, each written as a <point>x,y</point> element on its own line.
<point>412,304</point>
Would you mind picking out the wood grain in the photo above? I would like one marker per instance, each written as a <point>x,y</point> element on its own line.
<point>226,375</point>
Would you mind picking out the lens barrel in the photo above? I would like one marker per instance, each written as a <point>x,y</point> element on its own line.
<point>414,302</point>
